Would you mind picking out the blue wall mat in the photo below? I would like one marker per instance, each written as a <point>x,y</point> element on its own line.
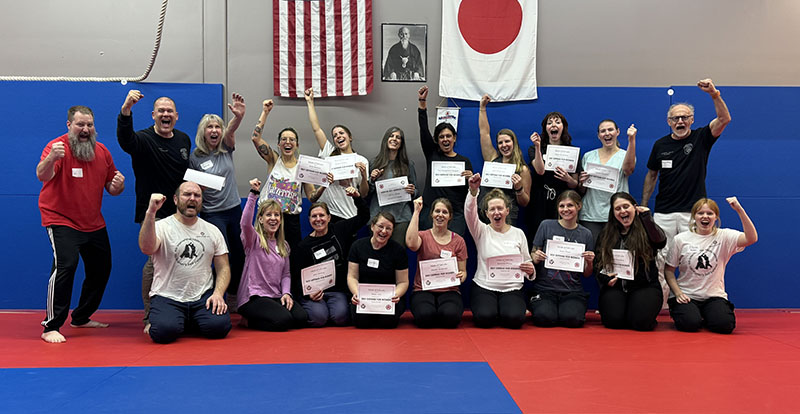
<point>750,160</point>
<point>463,387</point>
<point>43,109</point>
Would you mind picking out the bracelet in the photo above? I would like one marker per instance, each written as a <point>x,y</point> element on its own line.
<point>422,100</point>
<point>255,192</point>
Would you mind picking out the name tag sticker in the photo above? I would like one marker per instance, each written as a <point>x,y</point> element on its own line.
<point>373,263</point>
<point>319,254</point>
<point>77,172</point>
<point>666,163</point>
<point>445,254</point>
<point>206,165</point>
<point>558,238</point>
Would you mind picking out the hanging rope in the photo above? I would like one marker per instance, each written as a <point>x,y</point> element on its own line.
<point>101,79</point>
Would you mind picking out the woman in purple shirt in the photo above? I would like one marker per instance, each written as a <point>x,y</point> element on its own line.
<point>264,294</point>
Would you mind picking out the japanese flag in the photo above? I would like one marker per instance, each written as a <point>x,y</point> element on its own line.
<point>488,46</point>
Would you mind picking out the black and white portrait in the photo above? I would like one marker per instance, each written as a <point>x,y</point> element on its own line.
<point>404,52</point>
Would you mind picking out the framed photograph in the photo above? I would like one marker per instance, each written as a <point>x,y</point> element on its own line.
<point>404,52</point>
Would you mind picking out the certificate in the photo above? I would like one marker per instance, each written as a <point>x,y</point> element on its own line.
<point>498,174</point>
<point>392,191</point>
<point>318,277</point>
<point>312,170</point>
<point>623,263</point>
<point>205,179</point>
<point>447,173</point>
<point>562,156</point>
<point>343,166</point>
<point>601,177</point>
<point>375,299</point>
<point>505,268</point>
<point>562,255</point>
<point>439,273</point>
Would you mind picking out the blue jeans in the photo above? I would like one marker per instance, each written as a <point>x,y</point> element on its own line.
<point>227,222</point>
<point>333,307</point>
<point>169,319</point>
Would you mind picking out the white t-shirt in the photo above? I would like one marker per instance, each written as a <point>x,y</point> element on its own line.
<point>596,203</point>
<point>182,263</point>
<point>701,261</point>
<point>338,202</point>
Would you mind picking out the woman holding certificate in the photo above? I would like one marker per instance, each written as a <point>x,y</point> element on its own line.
<point>264,299</point>
<point>565,247</point>
<point>443,256</point>
<point>605,172</point>
<point>550,178</point>
<point>389,168</point>
<point>377,275</point>
<point>503,261</point>
<point>354,173</point>
<point>630,294</point>
<point>517,187</point>
<point>213,154</point>
<point>327,243</point>
<point>281,185</point>
<point>698,295</point>
<point>447,170</point>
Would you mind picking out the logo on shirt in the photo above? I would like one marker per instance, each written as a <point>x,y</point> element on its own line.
<point>189,251</point>
<point>185,153</point>
<point>687,149</point>
<point>704,262</point>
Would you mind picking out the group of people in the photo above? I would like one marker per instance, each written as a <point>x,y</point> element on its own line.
<point>258,253</point>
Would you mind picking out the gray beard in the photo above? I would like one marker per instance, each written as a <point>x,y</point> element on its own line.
<point>83,151</point>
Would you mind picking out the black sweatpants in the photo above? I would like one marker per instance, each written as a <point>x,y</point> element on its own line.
<point>490,308</point>
<point>436,309</point>
<point>566,309</point>
<point>715,313</point>
<point>635,309</point>
<point>68,245</point>
<point>268,314</point>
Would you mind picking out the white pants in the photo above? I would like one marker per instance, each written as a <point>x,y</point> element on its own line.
<point>672,224</point>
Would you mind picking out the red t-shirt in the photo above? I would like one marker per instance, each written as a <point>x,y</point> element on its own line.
<point>430,249</point>
<point>73,196</point>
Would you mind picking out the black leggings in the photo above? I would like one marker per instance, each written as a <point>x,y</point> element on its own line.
<point>369,321</point>
<point>490,308</point>
<point>635,309</point>
<point>437,309</point>
<point>267,314</point>
<point>559,309</point>
<point>715,313</point>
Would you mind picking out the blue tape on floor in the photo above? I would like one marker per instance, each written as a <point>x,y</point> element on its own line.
<point>462,387</point>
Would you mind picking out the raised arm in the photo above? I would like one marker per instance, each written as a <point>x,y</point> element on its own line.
<point>649,186</point>
<point>312,118</point>
<point>535,153</point>
<point>657,237</point>
<point>148,240</point>
<point>487,149</point>
<point>723,118</point>
<point>629,163</point>
<point>125,135</point>
<point>471,208</point>
<point>750,235</point>
<point>413,241</point>
<point>425,137</point>
<point>46,169</point>
<point>266,153</point>
<point>522,186</point>
<point>116,185</point>
<point>238,108</point>
<point>248,235</point>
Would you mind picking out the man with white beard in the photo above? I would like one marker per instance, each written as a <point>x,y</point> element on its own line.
<point>403,61</point>
<point>74,169</point>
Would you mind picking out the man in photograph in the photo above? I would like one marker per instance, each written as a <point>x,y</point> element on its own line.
<point>404,61</point>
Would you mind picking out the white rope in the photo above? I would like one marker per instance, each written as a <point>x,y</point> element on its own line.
<point>104,79</point>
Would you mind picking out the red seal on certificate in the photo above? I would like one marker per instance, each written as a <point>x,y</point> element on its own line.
<point>577,265</point>
<point>516,275</point>
<point>611,186</point>
<point>330,280</point>
<point>452,279</point>
<point>628,272</point>
<point>352,171</point>
<point>381,186</point>
<point>508,182</point>
<point>388,307</point>
<point>569,167</point>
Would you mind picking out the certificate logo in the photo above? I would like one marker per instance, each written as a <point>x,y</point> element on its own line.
<point>508,182</point>
<point>308,287</point>
<point>516,275</point>
<point>452,279</point>
<point>381,186</point>
<point>436,180</point>
<point>402,182</point>
<point>570,167</point>
<point>428,282</point>
<point>589,181</point>
<point>577,265</point>
<point>363,306</point>
<point>611,186</point>
<point>330,280</point>
<point>300,175</point>
<point>486,179</point>
<point>388,307</point>
<point>491,275</point>
<point>551,261</point>
<point>352,171</point>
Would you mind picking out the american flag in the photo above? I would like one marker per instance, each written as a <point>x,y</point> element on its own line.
<point>324,44</point>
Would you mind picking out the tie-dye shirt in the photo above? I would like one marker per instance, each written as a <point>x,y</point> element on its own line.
<point>282,186</point>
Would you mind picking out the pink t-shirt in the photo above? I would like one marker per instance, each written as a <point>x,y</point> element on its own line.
<point>430,249</point>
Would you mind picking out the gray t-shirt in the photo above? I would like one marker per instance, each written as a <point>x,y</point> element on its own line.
<point>560,280</point>
<point>221,164</point>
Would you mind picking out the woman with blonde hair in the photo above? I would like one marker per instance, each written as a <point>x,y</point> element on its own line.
<point>213,154</point>
<point>698,296</point>
<point>264,296</point>
<point>507,152</point>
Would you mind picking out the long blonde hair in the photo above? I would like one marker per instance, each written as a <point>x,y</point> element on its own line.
<point>200,139</point>
<point>271,205</point>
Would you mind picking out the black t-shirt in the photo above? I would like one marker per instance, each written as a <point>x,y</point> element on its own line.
<point>456,195</point>
<point>378,266</point>
<point>158,163</point>
<point>545,189</point>
<point>684,182</point>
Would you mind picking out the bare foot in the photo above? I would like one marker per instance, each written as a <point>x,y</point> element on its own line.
<point>53,337</point>
<point>91,324</point>
<point>147,328</point>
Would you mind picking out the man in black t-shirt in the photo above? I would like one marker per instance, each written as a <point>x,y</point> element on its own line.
<point>678,161</point>
<point>160,156</point>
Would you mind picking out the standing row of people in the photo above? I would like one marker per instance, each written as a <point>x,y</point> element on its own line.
<point>269,255</point>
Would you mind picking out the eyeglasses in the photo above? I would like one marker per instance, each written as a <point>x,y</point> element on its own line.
<point>287,139</point>
<point>683,118</point>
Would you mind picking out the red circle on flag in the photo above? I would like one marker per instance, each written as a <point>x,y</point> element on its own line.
<point>489,26</point>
